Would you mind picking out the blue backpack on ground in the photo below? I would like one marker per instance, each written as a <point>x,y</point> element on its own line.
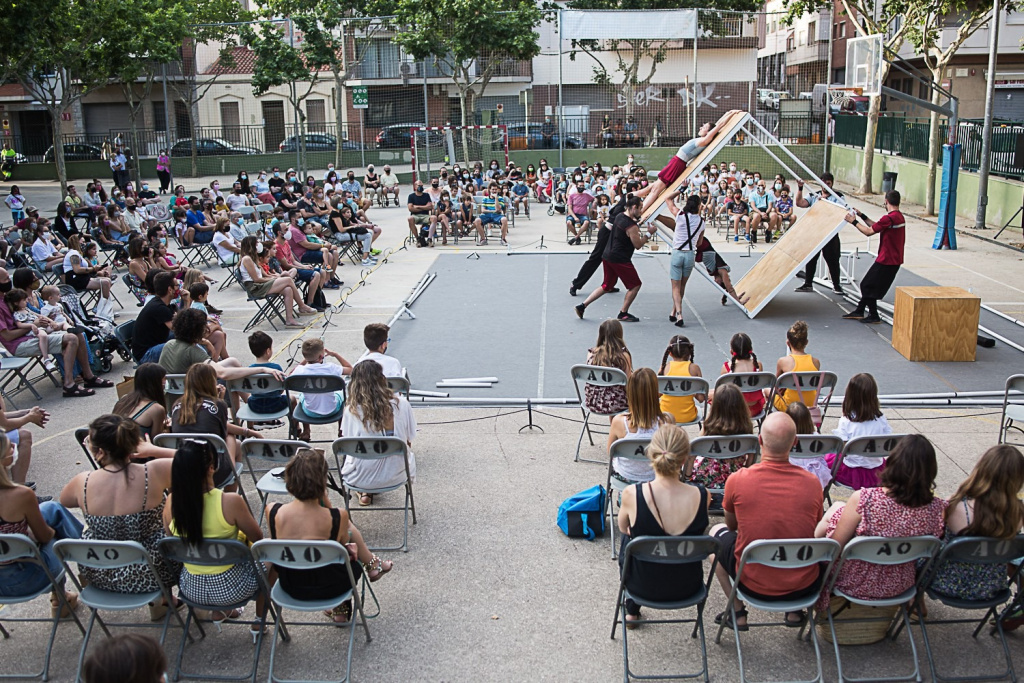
<point>582,515</point>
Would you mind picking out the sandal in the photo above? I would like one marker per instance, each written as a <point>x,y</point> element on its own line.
<point>630,621</point>
<point>341,614</point>
<point>376,568</point>
<point>65,609</point>
<point>366,499</point>
<point>799,623</point>
<point>295,323</point>
<point>95,382</point>
<point>726,618</point>
<point>74,391</point>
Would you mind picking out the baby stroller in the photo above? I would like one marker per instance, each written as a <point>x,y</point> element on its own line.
<point>557,205</point>
<point>99,333</point>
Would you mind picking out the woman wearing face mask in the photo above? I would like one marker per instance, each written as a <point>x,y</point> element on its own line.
<point>760,205</point>
<point>243,180</point>
<point>260,188</point>
<point>163,170</point>
<point>331,182</point>
<point>493,170</point>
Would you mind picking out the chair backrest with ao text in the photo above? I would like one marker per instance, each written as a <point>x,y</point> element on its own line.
<point>872,446</point>
<point>314,384</point>
<point>668,550</point>
<point>598,376</point>
<point>172,440</point>
<point>18,547</point>
<point>982,550</point>
<point>102,554</point>
<point>300,554</point>
<point>272,449</point>
<point>815,445</point>
<point>209,553</point>
<point>721,447</point>
<point>821,382</point>
<point>747,381</point>
<point>368,448</point>
<point>790,553</point>
<point>889,551</point>
<point>669,385</point>
<point>263,383</point>
<point>174,384</point>
<point>629,448</point>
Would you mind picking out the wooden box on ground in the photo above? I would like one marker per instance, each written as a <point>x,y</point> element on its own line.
<point>935,323</point>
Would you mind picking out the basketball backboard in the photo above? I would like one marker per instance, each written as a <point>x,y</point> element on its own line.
<point>865,56</point>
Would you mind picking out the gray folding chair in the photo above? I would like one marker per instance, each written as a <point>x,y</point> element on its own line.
<point>20,548</point>
<point>723,448</point>
<point>597,376</point>
<point>665,550</point>
<point>316,384</point>
<point>973,550</point>
<point>231,274</point>
<point>629,448</point>
<point>263,383</point>
<point>399,385</point>
<point>782,554</point>
<point>878,550</point>
<point>81,434</point>
<point>311,555</point>
<point>174,388</point>
<point>810,446</point>
<point>173,440</point>
<point>216,553</point>
<point>269,481</point>
<point>377,448</point>
<point>751,381</point>
<point>669,385</point>
<point>268,308</point>
<point>1012,412</point>
<point>246,212</point>
<point>821,382</point>
<point>865,446</point>
<point>114,555</point>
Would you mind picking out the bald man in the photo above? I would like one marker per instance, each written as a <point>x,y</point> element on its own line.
<point>772,499</point>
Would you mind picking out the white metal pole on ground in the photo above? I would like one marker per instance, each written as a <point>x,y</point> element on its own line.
<point>986,133</point>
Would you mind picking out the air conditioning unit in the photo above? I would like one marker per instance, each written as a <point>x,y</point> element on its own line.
<point>407,69</point>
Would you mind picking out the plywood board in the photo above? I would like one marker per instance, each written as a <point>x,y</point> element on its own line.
<point>935,323</point>
<point>789,254</point>
<point>732,126</point>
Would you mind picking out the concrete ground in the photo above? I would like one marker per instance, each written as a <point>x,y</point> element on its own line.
<point>490,589</point>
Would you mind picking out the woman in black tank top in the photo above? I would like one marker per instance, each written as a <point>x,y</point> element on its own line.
<point>666,506</point>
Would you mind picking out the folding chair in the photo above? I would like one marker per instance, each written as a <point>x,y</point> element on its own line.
<point>114,555</point>
<point>268,308</point>
<point>232,274</point>
<point>377,448</point>
<point>16,370</point>
<point>977,551</point>
<point>20,548</point>
<point>81,434</point>
<point>257,384</point>
<point>173,440</point>
<point>822,383</point>
<point>269,480</point>
<point>784,554</point>
<point>310,555</point>
<point>666,550</point>
<point>810,446</point>
<point>723,448</point>
<point>316,384</point>
<point>669,385</point>
<point>629,448</point>
<point>1012,412</point>
<point>399,385</point>
<point>601,377</point>
<point>878,550</point>
<point>246,212</point>
<point>124,333</point>
<point>751,381</point>
<point>264,210</point>
<point>174,389</point>
<point>140,294</point>
<point>217,553</point>
<point>255,230</point>
<point>865,446</point>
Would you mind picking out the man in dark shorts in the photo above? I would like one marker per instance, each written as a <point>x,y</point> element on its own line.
<point>773,499</point>
<point>892,235</point>
<point>832,251</point>
<point>590,266</point>
<point>617,259</point>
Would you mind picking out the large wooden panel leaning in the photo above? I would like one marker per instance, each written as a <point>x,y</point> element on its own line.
<point>936,323</point>
<point>786,256</point>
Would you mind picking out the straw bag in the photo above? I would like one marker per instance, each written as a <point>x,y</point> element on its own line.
<point>850,631</point>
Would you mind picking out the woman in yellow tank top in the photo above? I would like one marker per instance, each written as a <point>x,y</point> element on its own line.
<point>680,350</point>
<point>798,360</point>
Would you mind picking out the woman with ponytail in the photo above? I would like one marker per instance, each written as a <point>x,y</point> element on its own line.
<point>667,506</point>
<point>798,360</point>
<point>681,351</point>
<point>744,360</point>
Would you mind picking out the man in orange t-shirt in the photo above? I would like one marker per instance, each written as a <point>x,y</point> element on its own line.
<point>772,499</point>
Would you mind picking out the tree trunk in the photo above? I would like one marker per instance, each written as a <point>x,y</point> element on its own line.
<point>339,116</point>
<point>869,147</point>
<point>58,147</point>
<point>301,132</point>
<point>463,96</point>
<point>934,145</point>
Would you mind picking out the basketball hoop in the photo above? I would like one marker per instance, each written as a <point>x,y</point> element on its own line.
<point>865,59</point>
<point>841,96</point>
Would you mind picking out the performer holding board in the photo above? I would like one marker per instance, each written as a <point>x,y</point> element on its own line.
<point>892,234</point>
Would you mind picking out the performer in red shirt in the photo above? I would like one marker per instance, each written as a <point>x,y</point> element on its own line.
<point>891,231</point>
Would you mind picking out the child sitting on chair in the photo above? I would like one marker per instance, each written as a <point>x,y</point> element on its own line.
<point>25,320</point>
<point>262,347</point>
<point>314,357</point>
<point>52,309</point>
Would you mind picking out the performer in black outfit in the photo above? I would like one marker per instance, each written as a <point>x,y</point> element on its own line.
<point>832,250</point>
<point>593,262</point>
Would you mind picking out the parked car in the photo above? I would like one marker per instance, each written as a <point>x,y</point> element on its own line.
<point>318,142</point>
<point>763,95</point>
<point>210,147</point>
<point>75,151</point>
<point>518,138</point>
<point>396,136</point>
<point>773,100</point>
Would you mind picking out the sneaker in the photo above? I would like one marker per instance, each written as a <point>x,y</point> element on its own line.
<point>572,291</point>
<point>579,310</point>
<point>838,290</point>
<point>375,252</point>
<point>871,320</point>
<point>804,288</point>
<point>504,243</point>
<point>50,364</point>
<point>481,243</point>
<point>854,315</point>
<point>43,499</point>
<point>627,317</point>
<point>368,262</point>
<point>736,238</point>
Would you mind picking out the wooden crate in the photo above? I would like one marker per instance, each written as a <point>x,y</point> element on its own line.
<point>936,323</point>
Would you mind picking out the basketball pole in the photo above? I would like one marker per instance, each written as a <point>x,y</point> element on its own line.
<point>986,133</point>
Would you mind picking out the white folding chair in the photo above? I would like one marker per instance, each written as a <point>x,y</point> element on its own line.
<point>311,555</point>
<point>173,440</point>
<point>246,212</point>
<point>269,480</point>
<point>811,446</point>
<point>598,376</point>
<point>316,384</point>
<point>973,550</point>
<point>865,446</point>
<point>1012,412</point>
<point>255,230</point>
<point>785,555</point>
<point>399,385</point>
<point>21,548</point>
<point>751,381</point>
<point>263,383</point>
<point>666,550</point>
<point>174,386</point>
<point>377,448</point>
<point>723,448</point>
<point>114,555</point>
<point>669,385</point>
<point>629,448</point>
<point>878,550</point>
<point>822,384</point>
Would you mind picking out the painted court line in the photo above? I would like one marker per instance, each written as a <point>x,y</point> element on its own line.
<point>543,329</point>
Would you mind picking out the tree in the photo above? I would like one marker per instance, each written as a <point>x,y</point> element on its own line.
<point>968,17</point>
<point>468,40</point>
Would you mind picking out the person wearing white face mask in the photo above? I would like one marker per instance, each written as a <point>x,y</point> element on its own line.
<point>330,167</point>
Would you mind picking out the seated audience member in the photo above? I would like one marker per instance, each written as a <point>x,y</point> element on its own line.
<point>153,325</point>
<point>26,321</point>
<point>805,425</point>
<point>189,345</point>
<point>315,278</point>
<point>903,505</point>
<point>862,416</point>
<point>798,360</point>
<point>421,216</point>
<point>389,186</point>
<point>372,184</point>
<point>84,276</point>
<point>642,418</point>
<point>577,213</point>
<point>376,338</point>
<point>492,211</point>
<point>985,504</point>
<point>46,523</point>
<point>200,511</point>
<point>13,423</point>
<point>309,251</point>
<point>680,350</point>
<point>258,284</point>
<point>44,253</point>
<point>310,517</point>
<point>770,500</point>
<point>609,352</point>
<point>760,202</point>
<point>224,242</point>
<point>127,658</point>
<point>744,360</point>
<point>314,362</point>
<point>373,409</point>
<point>126,504</point>
<point>728,416</point>
<point>782,208</point>
<point>145,403</point>
<point>739,214</point>
<point>262,347</point>
<point>666,506</point>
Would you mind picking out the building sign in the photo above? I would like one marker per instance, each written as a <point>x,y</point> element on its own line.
<point>360,97</point>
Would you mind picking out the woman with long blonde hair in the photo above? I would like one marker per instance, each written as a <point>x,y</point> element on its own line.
<point>641,420</point>
<point>372,409</point>
<point>609,352</point>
